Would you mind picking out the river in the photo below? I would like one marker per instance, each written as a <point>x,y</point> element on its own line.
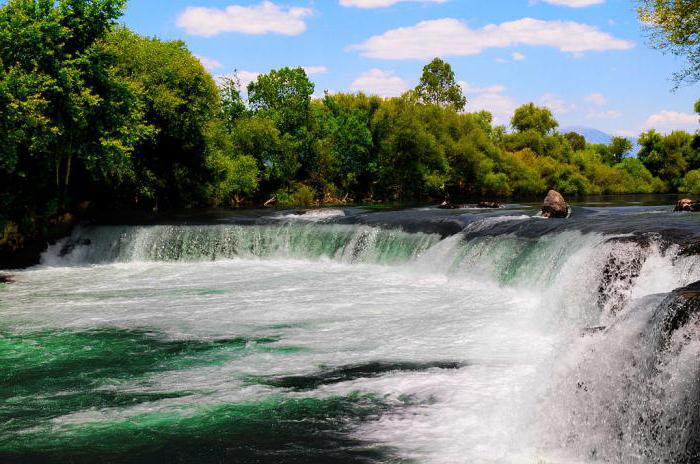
<point>356,336</point>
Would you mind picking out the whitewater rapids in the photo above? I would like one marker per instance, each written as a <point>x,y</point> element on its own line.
<point>324,341</point>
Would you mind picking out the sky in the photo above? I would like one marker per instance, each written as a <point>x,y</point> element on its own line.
<point>589,61</point>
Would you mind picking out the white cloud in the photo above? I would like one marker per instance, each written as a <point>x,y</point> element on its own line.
<point>468,89</point>
<point>597,99</point>
<point>382,3</point>
<point>210,64</point>
<point>452,37</point>
<point>609,114</point>
<point>667,121</point>
<point>311,70</point>
<point>574,3</point>
<point>556,104</point>
<point>518,56</point>
<point>489,99</point>
<point>380,82</point>
<point>264,18</point>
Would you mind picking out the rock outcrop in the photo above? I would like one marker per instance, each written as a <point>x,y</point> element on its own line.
<point>686,204</point>
<point>555,206</point>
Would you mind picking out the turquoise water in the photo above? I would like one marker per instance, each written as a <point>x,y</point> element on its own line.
<point>318,343</point>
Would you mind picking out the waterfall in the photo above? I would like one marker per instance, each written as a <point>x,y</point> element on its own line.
<point>618,365</point>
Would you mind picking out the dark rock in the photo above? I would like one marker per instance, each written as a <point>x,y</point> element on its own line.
<point>686,204</point>
<point>621,271</point>
<point>555,206</point>
<point>7,279</point>
<point>685,304</point>
<point>489,204</point>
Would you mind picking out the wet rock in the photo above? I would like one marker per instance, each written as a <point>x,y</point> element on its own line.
<point>489,204</point>
<point>686,204</point>
<point>7,279</point>
<point>555,206</point>
<point>621,271</point>
<point>685,305</point>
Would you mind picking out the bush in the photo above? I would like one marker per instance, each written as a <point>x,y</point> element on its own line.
<point>691,183</point>
<point>302,195</point>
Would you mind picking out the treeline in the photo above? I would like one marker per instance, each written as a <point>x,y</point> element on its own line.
<point>94,115</point>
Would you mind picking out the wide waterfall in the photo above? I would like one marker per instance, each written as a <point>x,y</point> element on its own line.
<point>353,336</point>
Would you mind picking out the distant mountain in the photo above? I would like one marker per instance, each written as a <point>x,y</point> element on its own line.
<point>591,135</point>
<point>596,136</point>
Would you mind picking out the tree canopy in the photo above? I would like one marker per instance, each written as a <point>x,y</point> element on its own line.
<point>674,27</point>
<point>438,86</point>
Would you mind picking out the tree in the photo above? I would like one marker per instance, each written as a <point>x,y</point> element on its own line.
<point>232,105</point>
<point>181,100</point>
<point>577,141</point>
<point>274,152</point>
<point>619,147</point>
<point>70,112</point>
<point>438,86</point>
<point>531,117</point>
<point>284,96</point>
<point>666,156</point>
<point>674,27</point>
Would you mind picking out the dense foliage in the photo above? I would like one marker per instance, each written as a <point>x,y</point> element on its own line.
<point>94,114</point>
<point>674,27</point>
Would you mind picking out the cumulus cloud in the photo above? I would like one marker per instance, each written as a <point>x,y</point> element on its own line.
<point>556,104</point>
<point>667,121</point>
<point>597,99</point>
<point>452,37</point>
<point>381,83</point>
<point>574,3</point>
<point>311,70</point>
<point>264,18</point>
<point>210,64</point>
<point>517,56</point>
<point>382,3</point>
<point>491,99</point>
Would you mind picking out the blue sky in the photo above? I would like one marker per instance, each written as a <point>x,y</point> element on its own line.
<point>587,60</point>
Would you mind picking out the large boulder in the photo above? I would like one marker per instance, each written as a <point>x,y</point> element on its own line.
<point>555,206</point>
<point>686,204</point>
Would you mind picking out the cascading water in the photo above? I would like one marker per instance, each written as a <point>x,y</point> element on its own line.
<point>341,339</point>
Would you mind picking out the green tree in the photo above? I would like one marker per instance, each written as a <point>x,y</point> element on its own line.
<point>674,27</point>
<point>577,141</point>
<point>181,100</point>
<point>274,152</point>
<point>691,183</point>
<point>71,113</point>
<point>284,95</point>
<point>619,147</point>
<point>531,117</point>
<point>232,105</point>
<point>438,86</point>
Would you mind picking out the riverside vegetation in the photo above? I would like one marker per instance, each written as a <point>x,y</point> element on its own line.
<point>95,116</point>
